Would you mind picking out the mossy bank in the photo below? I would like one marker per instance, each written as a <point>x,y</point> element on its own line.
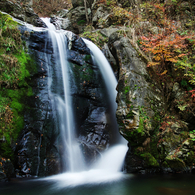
<point>16,68</point>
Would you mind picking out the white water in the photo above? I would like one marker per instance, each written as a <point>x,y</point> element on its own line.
<point>110,82</point>
<point>106,71</point>
<point>109,166</point>
<point>107,169</point>
<point>64,106</point>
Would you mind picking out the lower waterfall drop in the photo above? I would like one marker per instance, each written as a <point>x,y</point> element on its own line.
<point>108,167</point>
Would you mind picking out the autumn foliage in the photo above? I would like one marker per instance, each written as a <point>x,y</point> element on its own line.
<point>170,49</point>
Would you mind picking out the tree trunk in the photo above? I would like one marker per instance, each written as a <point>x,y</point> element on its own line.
<point>86,11</point>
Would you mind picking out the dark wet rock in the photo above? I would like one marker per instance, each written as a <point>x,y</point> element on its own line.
<point>79,45</point>
<point>193,170</point>
<point>55,22</point>
<point>90,112</point>
<point>36,151</point>
<point>40,23</point>
<point>6,169</point>
<point>79,53</point>
<point>77,58</point>
<point>38,41</point>
<point>2,176</point>
<point>91,153</point>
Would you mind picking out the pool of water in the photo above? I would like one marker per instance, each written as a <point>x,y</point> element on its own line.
<point>127,185</point>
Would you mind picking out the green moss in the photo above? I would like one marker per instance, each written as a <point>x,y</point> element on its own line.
<point>150,160</point>
<point>6,150</point>
<point>23,59</point>
<point>96,37</point>
<point>16,66</point>
<point>6,20</point>
<point>165,164</point>
<point>19,121</point>
<point>13,94</point>
<point>126,89</point>
<point>30,92</point>
<point>140,129</point>
<point>17,106</point>
<point>81,22</point>
<point>3,104</point>
<point>153,148</point>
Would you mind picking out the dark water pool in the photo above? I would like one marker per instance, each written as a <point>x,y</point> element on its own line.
<point>132,185</point>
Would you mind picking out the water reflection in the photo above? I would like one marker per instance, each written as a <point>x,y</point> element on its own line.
<point>131,185</point>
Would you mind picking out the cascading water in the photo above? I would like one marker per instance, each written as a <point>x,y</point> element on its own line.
<point>64,105</point>
<point>108,167</point>
<point>110,82</point>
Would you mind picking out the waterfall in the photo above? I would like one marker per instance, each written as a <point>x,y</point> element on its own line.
<point>64,105</point>
<point>109,165</point>
<point>110,82</point>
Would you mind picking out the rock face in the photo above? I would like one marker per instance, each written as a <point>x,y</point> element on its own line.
<point>133,90</point>
<point>35,151</point>
<point>153,146</point>
<point>73,20</point>
<point>22,11</point>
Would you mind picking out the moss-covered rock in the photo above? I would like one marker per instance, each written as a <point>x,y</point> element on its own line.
<point>21,11</point>
<point>149,160</point>
<point>175,163</point>
<point>142,114</point>
<point>14,83</point>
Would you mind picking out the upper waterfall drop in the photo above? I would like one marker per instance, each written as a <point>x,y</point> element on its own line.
<point>64,105</point>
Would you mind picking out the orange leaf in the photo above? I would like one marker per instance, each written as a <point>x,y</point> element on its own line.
<point>164,72</point>
<point>181,55</point>
<point>172,60</point>
<point>152,64</point>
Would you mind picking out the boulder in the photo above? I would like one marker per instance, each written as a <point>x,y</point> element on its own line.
<point>21,11</point>
<point>77,20</point>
